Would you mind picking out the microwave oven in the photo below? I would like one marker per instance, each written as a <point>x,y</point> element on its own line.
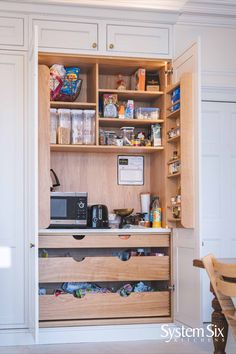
<point>68,210</point>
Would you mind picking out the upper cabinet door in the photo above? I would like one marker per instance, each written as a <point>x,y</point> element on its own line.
<point>139,40</point>
<point>67,35</point>
<point>13,32</point>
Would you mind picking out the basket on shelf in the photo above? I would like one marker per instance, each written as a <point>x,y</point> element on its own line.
<point>66,90</point>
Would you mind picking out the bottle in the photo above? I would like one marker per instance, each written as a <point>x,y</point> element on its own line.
<point>152,198</point>
<point>156,213</point>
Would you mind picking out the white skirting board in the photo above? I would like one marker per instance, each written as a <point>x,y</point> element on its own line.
<point>101,333</point>
<point>9,337</point>
<point>83,334</point>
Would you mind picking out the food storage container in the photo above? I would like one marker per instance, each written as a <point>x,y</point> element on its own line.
<point>64,126</point>
<point>77,126</point>
<point>110,138</point>
<point>53,125</point>
<point>127,134</point>
<point>89,127</point>
<point>147,113</point>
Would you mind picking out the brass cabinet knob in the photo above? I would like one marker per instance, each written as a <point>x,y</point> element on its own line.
<point>111,46</point>
<point>94,45</point>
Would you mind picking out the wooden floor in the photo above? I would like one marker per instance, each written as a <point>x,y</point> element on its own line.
<point>138,347</point>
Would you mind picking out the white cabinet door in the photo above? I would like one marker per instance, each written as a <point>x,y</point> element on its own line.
<point>67,35</point>
<point>13,31</point>
<point>139,40</point>
<point>218,166</point>
<point>186,241</point>
<point>13,296</point>
<point>32,183</point>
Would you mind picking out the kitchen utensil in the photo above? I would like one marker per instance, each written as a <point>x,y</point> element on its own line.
<point>145,202</point>
<point>123,213</point>
<point>54,180</point>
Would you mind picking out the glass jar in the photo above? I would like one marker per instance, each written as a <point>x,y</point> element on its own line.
<point>111,137</point>
<point>127,135</point>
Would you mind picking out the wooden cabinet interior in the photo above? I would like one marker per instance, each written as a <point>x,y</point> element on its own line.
<point>181,182</point>
<point>90,258</point>
<point>93,168</point>
<point>44,146</point>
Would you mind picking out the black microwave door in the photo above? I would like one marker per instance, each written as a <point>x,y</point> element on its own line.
<point>63,208</point>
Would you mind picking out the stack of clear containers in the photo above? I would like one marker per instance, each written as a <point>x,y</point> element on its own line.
<point>72,126</point>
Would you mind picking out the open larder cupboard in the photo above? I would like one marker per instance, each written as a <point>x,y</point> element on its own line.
<point>93,168</point>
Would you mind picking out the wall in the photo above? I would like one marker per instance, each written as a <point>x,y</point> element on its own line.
<point>218,55</point>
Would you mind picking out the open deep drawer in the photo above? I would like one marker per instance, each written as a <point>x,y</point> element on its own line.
<point>104,241</point>
<point>90,269</point>
<point>110,305</point>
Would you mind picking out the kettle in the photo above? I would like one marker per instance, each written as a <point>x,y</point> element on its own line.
<point>99,216</point>
<point>54,180</point>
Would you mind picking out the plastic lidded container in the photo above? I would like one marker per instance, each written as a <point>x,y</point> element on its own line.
<point>89,127</point>
<point>53,125</point>
<point>64,126</point>
<point>64,118</point>
<point>147,113</point>
<point>77,126</point>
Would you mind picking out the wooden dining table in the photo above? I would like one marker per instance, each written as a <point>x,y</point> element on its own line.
<point>217,318</point>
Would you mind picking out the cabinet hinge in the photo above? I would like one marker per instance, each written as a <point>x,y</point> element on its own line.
<point>172,287</point>
<point>169,71</point>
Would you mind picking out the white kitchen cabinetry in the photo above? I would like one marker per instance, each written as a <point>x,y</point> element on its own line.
<point>103,37</point>
<point>13,32</point>
<point>67,35</point>
<point>13,296</point>
<point>139,40</point>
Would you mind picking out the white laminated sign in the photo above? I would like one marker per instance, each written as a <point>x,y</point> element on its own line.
<point>130,170</point>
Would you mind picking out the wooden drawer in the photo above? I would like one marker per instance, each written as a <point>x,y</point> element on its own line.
<point>141,40</point>
<point>11,31</point>
<point>67,35</point>
<point>66,269</point>
<point>104,241</point>
<point>91,306</point>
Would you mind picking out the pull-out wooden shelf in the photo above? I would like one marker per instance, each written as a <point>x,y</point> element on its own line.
<point>110,305</point>
<point>106,148</point>
<point>90,269</point>
<point>104,241</point>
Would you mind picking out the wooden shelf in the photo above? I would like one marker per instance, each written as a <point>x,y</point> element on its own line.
<point>170,162</point>
<point>174,220</point>
<point>174,175</point>
<point>138,95</point>
<point>174,115</point>
<point>106,148</point>
<point>172,87</point>
<point>172,206</point>
<point>175,138</point>
<point>72,105</point>
<point>173,104</point>
<point>117,122</point>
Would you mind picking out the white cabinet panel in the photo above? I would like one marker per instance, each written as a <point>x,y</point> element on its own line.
<point>67,35</point>
<point>138,40</point>
<point>12,294</point>
<point>218,169</point>
<point>11,31</point>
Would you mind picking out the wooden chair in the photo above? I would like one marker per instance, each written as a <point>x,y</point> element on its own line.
<point>223,280</point>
